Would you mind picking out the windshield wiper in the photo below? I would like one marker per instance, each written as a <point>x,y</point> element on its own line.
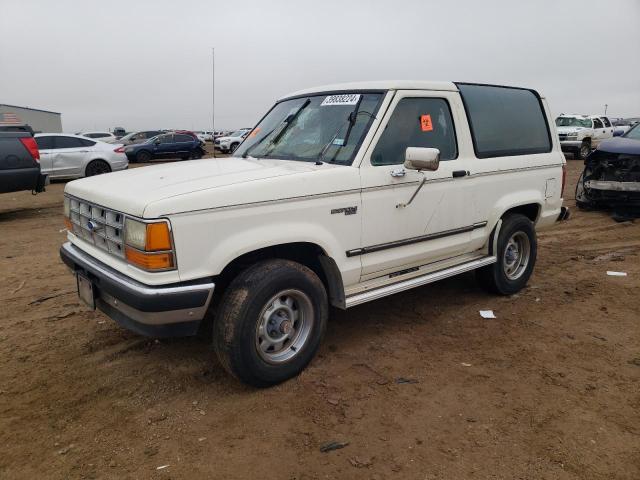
<point>352,121</point>
<point>287,124</point>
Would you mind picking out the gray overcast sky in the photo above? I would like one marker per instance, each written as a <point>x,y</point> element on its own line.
<point>147,64</point>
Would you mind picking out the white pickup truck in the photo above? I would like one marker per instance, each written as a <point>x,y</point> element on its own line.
<point>340,195</point>
<point>580,134</point>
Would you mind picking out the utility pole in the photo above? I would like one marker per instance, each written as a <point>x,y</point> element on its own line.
<point>213,97</point>
<point>605,109</point>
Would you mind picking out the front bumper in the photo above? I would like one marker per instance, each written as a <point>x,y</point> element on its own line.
<point>157,311</point>
<point>570,145</point>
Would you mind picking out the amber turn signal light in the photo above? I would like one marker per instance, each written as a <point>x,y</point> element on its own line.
<point>158,237</point>
<point>149,261</point>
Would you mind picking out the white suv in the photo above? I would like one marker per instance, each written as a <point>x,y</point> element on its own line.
<point>230,142</point>
<point>579,134</point>
<point>341,195</point>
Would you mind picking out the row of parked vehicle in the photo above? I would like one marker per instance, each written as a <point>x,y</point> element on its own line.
<point>28,161</point>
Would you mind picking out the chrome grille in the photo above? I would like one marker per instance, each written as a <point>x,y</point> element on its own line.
<point>98,225</point>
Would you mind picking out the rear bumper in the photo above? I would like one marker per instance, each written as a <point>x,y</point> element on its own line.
<point>155,311</point>
<point>16,180</point>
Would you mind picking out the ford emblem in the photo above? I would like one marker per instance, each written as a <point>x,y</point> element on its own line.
<point>93,226</point>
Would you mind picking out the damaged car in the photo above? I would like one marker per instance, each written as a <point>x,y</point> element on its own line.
<point>611,177</point>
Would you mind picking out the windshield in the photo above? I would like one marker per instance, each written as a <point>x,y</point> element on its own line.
<point>238,133</point>
<point>573,122</point>
<point>317,127</point>
<point>634,133</point>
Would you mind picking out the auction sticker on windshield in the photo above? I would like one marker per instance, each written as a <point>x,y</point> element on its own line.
<point>343,99</point>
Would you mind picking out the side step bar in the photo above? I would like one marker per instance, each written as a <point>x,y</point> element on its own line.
<point>387,290</point>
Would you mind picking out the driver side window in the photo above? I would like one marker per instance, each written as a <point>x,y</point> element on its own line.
<point>416,122</point>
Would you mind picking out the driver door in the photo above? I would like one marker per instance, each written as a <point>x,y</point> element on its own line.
<point>436,225</point>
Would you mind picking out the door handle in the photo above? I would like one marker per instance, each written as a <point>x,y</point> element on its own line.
<point>459,173</point>
<point>398,172</point>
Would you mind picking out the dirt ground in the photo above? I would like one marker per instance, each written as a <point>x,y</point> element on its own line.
<point>418,385</point>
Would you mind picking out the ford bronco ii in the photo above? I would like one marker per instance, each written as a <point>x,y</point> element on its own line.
<point>340,195</point>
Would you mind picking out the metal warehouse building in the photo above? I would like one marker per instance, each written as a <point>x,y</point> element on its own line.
<point>39,120</point>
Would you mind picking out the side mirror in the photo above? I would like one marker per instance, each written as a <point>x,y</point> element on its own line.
<point>618,132</point>
<point>157,142</point>
<point>418,158</point>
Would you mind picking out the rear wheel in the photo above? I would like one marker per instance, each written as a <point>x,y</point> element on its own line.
<point>96,167</point>
<point>516,256</point>
<point>143,156</point>
<point>270,322</point>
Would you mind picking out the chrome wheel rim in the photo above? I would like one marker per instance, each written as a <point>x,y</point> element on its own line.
<point>284,326</point>
<point>516,255</point>
<point>98,168</point>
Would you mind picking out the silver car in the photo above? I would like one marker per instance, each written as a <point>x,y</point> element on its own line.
<point>74,156</point>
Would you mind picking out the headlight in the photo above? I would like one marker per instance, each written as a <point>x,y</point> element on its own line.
<point>149,245</point>
<point>135,233</point>
<point>572,135</point>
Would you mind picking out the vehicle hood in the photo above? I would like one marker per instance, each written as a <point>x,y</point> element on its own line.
<point>569,129</point>
<point>132,191</point>
<point>625,146</point>
<point>226,139</point>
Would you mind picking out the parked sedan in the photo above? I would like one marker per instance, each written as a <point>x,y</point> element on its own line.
<point>75,156</point>
<point>167,145</point>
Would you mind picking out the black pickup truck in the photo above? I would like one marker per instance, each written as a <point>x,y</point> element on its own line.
<point>20,162</point>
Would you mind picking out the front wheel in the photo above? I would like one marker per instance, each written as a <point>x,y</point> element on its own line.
<point>270,322</point>
<point>516,256</point>
<point>233,147</point>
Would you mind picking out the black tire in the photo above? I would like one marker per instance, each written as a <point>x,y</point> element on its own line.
<point>494,278</point>
<point>96,167</point>
<point>196,154</point>
<point>244,307</point>
<point>584,150</point>
<point>233,147</point>
<point>143,156</point>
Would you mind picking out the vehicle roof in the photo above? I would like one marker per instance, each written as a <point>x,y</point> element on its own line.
<point>584,117</point>
<point>62,135</point>
<point>434,85</point>
<point>574,115</point>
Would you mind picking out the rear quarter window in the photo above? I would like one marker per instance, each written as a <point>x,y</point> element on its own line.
<point>505,121</point>
<point>44,143</point>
